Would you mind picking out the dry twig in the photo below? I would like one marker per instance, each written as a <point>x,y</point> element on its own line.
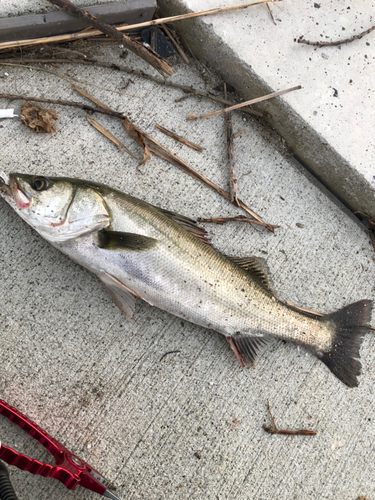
<point>237,218</point>
<point>167,155</point>
<point>275,430</point>
<point>189,91</point>
<point>126,27</point>
<point>232,171</point>
<point>136,47</point>
<point>270,13</point>
<point>179,138</point>
<point>74,104</point>
<point>109,136</point>
<point>90,97</point>
<point>242,104</point>
<point>337,42</point>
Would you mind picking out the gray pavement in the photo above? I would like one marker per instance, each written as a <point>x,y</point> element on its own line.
<point>327,122</point>
<point>187,425</point>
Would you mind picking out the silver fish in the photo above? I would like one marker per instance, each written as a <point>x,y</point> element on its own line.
<point>138,250</point>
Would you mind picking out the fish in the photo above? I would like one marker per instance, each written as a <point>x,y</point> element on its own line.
<point>138,250</point>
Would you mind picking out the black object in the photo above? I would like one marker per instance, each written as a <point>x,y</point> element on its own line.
<point>157,41</point>
<point>6,489</point>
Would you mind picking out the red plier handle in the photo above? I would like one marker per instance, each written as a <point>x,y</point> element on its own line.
<point>69,469</point>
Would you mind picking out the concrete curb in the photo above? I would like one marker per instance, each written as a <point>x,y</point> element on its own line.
<point>57,23</point>
<point>315,151</point>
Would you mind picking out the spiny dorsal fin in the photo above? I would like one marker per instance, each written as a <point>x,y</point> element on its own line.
<point>189,225</point>
<point>257,269</point>
<point>117,240</point>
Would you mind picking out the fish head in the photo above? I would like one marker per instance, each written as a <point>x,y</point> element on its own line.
<point>58,208</point>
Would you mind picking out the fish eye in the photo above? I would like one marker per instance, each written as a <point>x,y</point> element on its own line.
<point>39,183</point>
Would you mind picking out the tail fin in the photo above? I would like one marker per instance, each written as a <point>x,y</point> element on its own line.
<point>351,323</point>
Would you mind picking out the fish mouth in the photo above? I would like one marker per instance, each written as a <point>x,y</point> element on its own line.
<point>13,193</point>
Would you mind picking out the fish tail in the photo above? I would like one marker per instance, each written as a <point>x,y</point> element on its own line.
<point>350,325</point>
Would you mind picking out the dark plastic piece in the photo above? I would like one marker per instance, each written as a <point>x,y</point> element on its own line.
<point>157,41</point>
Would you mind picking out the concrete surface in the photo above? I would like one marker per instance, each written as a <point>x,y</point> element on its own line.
<point>187,425</point>
<point>327,123</point>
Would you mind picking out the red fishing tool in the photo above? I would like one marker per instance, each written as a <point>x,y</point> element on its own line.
<point>69,469</point>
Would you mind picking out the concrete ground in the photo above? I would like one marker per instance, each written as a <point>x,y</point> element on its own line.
<point>326,123</point>
<point>187,424</point>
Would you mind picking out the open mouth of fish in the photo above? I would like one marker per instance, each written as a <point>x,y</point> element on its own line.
<point>13,194</point>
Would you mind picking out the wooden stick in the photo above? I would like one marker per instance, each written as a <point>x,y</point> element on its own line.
<point>62,103</point>
<point>275,430</point>
<point>179,138</point>
<point>237,218</point>
<point>167,155</point>
<point>230,146</point>
<point>110,136</point>
<point>126,27</point>
<point>242,104</point>
<point>93,62</point>
<point>136,47</point>
<point>90,97</point>
<point>337,42</point>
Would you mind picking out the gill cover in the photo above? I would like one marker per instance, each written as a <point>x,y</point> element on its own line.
<point>59,209</point>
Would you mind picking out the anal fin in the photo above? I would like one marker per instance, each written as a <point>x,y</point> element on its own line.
<point>121,295</point>
<point>247,347</point>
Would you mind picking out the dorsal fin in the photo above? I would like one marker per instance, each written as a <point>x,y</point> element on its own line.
<point>189,225</point>
<point>257,268</point>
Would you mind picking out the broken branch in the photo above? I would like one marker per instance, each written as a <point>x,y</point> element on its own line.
<point>275,430</point>
<point>167,155</point>
<point>74,104</point>
<point>230,146</point>
<point>93,62</point>
<point>136,47</point>
<point>246,103</point>
<point>337,42</point>
<point>237,218</point>
<point>179,138</point>
<point>109,136</point>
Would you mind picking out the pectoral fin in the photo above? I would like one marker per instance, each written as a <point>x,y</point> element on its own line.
<point>116,240</point>
<point>119,293</point>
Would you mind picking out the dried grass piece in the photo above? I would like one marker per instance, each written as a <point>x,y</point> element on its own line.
<point>38,119</point>
<point>137,135</point>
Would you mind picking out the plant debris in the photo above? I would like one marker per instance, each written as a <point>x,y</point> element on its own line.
<point>38,119</point>
<point>179,138</point>
<point>242,104</point>
<point>232,171</point>
<point>273,429</point>
<point>237,218</point>
<point>137,135</point>
<point>126,27</point>
<point>337,42</point>
<point>136,47</point>
<point>109,136</point>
